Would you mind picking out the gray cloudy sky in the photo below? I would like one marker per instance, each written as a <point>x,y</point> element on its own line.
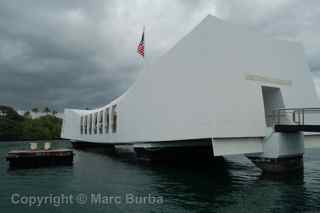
<point>83,53</point>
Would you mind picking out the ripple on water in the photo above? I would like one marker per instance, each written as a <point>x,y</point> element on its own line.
<point>235,186</point>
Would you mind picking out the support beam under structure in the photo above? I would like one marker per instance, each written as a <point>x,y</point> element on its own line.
<point>282,153</point>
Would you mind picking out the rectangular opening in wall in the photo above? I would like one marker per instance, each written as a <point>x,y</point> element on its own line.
<point>95,130</point>
<point>100,122</point>
<point>272,100</point>
<point>90,124</point>
<point>106,120</point>
<point>81,125</point>
<point>86,124</point>
<point>114,118</point>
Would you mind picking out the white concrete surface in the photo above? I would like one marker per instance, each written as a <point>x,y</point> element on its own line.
<point>209,85</point>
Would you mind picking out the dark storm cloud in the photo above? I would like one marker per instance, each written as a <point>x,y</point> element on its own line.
<point>285,19</point>
<point>78,53</point>
<point>54,53</point>
<point>83,53</point>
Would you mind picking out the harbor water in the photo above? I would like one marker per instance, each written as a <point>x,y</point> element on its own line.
<point>101,182</point>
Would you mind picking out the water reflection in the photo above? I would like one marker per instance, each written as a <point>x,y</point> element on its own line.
<point>231,184</point>
<point>227,185</point>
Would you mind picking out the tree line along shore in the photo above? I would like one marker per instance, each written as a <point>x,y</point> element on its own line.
<point>15,127</point>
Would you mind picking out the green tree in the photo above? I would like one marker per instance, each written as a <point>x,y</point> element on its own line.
<point>10,124</point>
<point>16,127</point>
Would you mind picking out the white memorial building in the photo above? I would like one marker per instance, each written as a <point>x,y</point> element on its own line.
<point>220,86</point>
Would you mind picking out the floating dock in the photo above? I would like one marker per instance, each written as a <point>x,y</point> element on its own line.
<point>39,158</point>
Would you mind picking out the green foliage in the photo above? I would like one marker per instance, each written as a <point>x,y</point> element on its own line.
<point>16,127</point>
<point>10,123</point>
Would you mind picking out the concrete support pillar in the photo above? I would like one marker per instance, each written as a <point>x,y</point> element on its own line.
<point>282,152</point>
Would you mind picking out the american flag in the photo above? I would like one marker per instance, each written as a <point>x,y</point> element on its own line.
<point>140,48</point>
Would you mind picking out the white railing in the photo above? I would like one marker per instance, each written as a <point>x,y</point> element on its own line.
<point>296,116</point>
